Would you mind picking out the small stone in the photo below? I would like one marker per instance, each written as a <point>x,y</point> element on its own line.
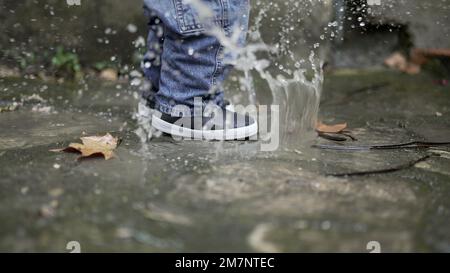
<point>302,224</point>
<point>109,74</point>
<point>326,225</point>
<point>24,190</point>
<point>47,211</point>
<point>423,165</point>
<point>124,233</point>
<point>6,72</point>
<point>56,192</point>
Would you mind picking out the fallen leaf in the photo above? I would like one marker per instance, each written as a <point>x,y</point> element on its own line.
<point>433,52</point>
<point>93,146</point>
<point>331,129</point>
<point>333,137</point>
<point>413,69</point>
<point>397,61</point>
<point>400,62</point>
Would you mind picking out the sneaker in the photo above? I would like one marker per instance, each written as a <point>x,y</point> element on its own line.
<point>220,125</point>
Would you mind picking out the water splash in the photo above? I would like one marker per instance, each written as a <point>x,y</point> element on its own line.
<point>289,62</point>
<point>145,131</point>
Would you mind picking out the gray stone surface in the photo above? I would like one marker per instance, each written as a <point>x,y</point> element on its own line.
<point>167,196</point>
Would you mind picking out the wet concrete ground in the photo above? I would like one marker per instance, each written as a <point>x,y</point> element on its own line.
<point>207,196</point>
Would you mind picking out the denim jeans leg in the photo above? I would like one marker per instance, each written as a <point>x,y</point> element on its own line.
<point>151,64</point>
<point>193,62</point>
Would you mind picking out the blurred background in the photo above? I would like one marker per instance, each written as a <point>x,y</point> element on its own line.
<point>54,38</point>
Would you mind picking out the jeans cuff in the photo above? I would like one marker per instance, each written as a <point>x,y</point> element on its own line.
<point>168,109</point>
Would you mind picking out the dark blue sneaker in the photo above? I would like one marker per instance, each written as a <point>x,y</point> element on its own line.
<point>221,124</point>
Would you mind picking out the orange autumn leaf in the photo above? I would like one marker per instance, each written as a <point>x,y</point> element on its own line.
<point>330,129</point>
<point>93,146</point>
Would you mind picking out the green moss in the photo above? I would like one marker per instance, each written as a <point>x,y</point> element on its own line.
<point>66,63</point>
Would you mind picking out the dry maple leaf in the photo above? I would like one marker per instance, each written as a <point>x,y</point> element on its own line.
<point>331,129</point>
<point>93,146</point>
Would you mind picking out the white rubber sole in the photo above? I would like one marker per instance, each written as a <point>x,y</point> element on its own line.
<point>227,135</point>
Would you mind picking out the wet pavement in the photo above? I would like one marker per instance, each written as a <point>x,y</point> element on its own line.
<point>192,196</point>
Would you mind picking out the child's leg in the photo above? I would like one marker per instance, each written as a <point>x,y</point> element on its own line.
<point>151,65</point>
<point>193,62</point>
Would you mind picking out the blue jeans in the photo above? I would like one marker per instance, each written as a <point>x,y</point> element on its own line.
<point>184,60</point>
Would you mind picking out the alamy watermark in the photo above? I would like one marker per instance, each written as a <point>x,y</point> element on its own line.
<point>73,247</point>
<point>73,2</point>
<point>374,2</point>
<point>373,247</point>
